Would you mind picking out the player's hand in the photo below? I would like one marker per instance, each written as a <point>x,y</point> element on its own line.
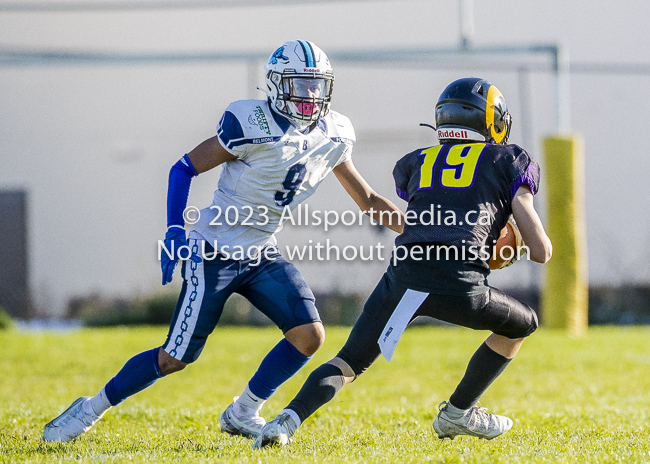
<point>174,239</point>
<point>520,246</point>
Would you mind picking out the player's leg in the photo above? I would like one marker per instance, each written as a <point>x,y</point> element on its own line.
<point>197,313</point>
<point>357,355</point>
<point>511,322</point>
<point>360,351</point>
<point>320,387</point>
<point>280,364</point>
<point>277,289</point>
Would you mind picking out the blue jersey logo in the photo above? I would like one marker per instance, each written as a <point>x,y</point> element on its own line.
<point>277,55</point>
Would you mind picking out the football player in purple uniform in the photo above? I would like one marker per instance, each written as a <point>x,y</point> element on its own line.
<point>443,267</point>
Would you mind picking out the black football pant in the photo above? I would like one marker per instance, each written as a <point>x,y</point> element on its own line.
<point>492,310</point>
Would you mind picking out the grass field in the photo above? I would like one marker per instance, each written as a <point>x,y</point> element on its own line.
<point>572,400</point>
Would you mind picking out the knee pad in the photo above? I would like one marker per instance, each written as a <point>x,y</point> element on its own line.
<point>522,324</point>
<point>534,323</point>
<point>517,319</point>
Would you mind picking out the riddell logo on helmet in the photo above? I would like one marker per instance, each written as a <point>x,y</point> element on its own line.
<point>312,70</point>
<point>452,134</point>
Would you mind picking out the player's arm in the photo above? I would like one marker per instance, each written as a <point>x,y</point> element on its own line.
<point>368,200</point>
<point>530,226</point>
<point>205,156</point>
<point>208,155</point>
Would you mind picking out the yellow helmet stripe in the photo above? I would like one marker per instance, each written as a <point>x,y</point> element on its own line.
<point>493,94</point>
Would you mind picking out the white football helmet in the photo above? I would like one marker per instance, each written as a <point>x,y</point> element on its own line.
<point>299,82</point>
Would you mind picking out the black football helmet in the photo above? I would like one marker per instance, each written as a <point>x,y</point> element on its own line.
<point>473,109</point>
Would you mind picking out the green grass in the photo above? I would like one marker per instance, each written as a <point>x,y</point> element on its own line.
<point>572,400</point>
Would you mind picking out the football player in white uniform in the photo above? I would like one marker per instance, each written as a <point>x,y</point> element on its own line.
<point>274,153</point>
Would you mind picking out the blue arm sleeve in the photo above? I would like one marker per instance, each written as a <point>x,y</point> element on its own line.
<point>178,190</point>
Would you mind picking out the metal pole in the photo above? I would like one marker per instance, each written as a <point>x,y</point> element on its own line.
<point>525,121</point>
<point>562,90</point>
<point>466,24</point>
<point>525,105</point>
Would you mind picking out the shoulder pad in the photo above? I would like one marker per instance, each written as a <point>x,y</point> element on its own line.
<point>339,128</point>
<point>255,119</point>
<point>516,149</point>
<point>525,170</point>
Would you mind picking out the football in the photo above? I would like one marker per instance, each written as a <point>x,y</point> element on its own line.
<point>508,238</point>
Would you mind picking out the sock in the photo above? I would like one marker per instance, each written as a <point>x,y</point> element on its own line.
<point>294,416</point>
<point>321,386</point>
<point>248,404</point>
<point>282,362</point>
<point>139,372</point>
<point>484,367</point>
<point>99,403</point>
<point>87,408</point>
<point>453,412</point>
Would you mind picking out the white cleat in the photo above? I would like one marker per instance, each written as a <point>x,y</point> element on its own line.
<point>476,422</point>
<point>277,432</point>
<point>249,427</point>
<point>71,423</point>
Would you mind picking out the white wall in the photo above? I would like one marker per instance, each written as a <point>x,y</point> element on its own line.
<point>93,145</point>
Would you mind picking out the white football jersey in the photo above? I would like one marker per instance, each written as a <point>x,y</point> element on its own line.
<point>278,166</point>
